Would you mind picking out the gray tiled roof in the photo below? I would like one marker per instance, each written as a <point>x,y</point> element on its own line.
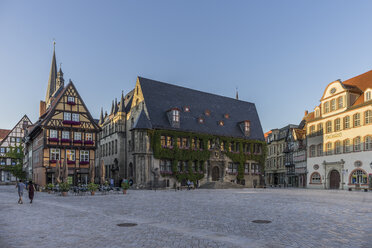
<point>142,122</point>
<point>161,97</point>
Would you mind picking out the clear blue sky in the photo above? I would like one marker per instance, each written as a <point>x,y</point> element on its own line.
<point>280,54</point>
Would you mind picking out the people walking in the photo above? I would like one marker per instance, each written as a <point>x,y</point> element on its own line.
<point>188,184</point>
<point>31,191</point>
<point>20,185</point>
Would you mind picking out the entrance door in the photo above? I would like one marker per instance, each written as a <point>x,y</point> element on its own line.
<point>334,180</point>
<point>215,173</point>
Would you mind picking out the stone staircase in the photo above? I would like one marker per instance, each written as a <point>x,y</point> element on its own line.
<point>221,185</point>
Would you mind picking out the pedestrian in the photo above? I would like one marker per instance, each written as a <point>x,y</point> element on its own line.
<point>20,185</point>
<point>31,191</point>
<point>188,184</point>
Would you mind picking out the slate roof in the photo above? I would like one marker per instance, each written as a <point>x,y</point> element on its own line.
<point>161,97</point>
<point>142,122</point>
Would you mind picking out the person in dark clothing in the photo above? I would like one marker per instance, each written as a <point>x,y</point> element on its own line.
<point>31,191</point>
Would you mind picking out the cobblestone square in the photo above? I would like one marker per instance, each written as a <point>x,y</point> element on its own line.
<point>196,218</point>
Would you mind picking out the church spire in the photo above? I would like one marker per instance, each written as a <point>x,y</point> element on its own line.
<point>116,106</point>
<point>237,95</point>
<point>112,108</point>
<point>52,76</point>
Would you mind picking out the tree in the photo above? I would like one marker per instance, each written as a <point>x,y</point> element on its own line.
<point>16,153</point>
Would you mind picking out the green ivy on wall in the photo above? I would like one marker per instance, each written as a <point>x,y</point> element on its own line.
<point>200,156</point>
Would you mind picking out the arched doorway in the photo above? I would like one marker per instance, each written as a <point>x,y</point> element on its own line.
<point>334,179</point>
<point>215,173</point>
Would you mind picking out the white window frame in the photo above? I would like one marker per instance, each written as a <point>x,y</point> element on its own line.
<point>65,135</point>
<point>66,116</point>
<point>53,133</point>
<point>84,155</point>
<point>89,136</point>
<point>70,99</point>
<point>316,178</point>
<point>70,155</point>
<point>75,117</point>
<point>55,154</point>
<point>175,115</point>
<point>77,135</point>
<point>368,95</point>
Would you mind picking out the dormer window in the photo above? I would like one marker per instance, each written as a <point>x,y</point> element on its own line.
<point>317,113</point>
<point>245,127</point>
<point>175,115</point>
<point>201,120</point>
<point>186,109</point>
<point>220,123</point>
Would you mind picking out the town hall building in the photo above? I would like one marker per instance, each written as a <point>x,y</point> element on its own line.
<point>161,135</point>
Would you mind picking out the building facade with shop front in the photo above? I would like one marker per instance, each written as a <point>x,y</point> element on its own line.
<point>339,137</point>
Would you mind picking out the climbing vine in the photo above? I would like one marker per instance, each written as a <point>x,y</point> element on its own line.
<point>176,154</point>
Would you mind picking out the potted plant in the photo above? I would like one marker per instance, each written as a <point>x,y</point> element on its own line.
<point>92,187</point>
<point>125,186</point>
<point>64,187</point>
<point>49,187</point>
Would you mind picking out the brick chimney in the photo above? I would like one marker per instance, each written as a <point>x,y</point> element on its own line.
<point>306,112</point>
<point>42,108</point>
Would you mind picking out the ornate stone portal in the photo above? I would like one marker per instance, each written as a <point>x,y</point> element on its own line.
<point>334,174</point>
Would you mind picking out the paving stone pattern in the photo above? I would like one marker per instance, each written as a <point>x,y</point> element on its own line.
<point>196,218</point>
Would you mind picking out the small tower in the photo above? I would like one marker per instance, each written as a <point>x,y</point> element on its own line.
<point>101,117</point>
<point>60,81</point>
<point>122,103</point>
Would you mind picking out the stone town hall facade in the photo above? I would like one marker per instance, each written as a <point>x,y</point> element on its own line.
<point>162,135</point>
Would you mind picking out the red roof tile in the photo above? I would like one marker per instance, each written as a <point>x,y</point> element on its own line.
<point>4,133</point>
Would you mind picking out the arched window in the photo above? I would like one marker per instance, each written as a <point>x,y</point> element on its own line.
<point>356,120</point>
<point>356,143</point>
<point>368,117</point>
<point>368,143</point>
<point>346,122</point>
<point>315,178</point>
<point>347,147</point>
<point>358,176</point>
<point>338,149</point>
<point>329,126</point>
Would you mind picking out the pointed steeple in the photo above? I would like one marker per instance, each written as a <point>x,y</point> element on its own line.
<point>116,106</point>
<point>122,103</point>
<point>101,117</point>
<point>112,108</point>
<point>60,81</point>
<point>237,95</point>
<point>52,76</point>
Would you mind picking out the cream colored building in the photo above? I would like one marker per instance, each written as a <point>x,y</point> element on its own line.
<point>339,137</point>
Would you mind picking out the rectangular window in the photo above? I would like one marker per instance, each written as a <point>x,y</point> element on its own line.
<point>70,155</point>
<point>320,150</point>
<point>246,168</point>
<point>53,134</point>
<point>70,99</point>
<point>18,140</point>
<point>65,135</point>
<point>346,122</point>
<point>163,141</point>
<point>162,165</point>
<point>312,129</point>
<point>326,107</point>
<point>356,120</point>
<point>329,126</point>
<point>337,125</point>
<point>84,156</point>
<point>67,116</point>
<point>329,149</point>
<point>2,150</point>
<point>347,147</point>
<point>89,136</point>
<point>175,115</point>
<point>368,95</point>
<point>77,136</point>
<point>368,117</point>
<point>75,117</point>
<point>169,141</point>
<point>54,154</point>
<point>338,147</point>
<point>333,104</point>
<point>340,102</point>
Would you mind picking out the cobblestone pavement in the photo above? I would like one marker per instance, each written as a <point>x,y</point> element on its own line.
<point>196,218</point>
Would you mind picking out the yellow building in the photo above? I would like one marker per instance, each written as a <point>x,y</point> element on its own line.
<point>339,137</point>
<point>64,133</point>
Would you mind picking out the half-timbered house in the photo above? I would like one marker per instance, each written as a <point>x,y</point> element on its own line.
<point>65,132</point>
